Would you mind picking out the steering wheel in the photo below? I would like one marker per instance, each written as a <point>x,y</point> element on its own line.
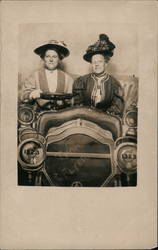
<point>50,100</point>
<point>57,96</point>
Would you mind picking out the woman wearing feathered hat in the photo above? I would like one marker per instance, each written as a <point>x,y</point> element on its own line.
<point>99,89</point>
<point>49,78</point>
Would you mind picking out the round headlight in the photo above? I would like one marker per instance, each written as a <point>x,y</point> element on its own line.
<point>126,157</point>
<point>26,115</point>
<point>131,118</point>
<point>31,153</point>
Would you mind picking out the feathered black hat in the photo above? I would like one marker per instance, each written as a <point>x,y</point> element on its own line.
<point>61,47</point>
<point>103,46</point>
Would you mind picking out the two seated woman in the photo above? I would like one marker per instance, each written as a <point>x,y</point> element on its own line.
<point>97,89</point>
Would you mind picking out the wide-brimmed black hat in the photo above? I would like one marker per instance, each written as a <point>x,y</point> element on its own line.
<point>60,47</point>
<point>103,46</point>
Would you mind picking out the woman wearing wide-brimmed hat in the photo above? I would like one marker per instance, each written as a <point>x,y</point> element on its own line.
<point>99,89</point>
<point>49,78</point>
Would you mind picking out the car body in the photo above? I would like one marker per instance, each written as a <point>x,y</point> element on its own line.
<point>60,144</point>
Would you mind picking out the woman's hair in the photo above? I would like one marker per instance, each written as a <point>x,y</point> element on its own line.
<point>44,52</point>
<point>106,57</point>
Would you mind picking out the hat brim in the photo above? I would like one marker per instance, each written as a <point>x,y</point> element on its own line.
<point>88,56</point>
<point>60,49</point>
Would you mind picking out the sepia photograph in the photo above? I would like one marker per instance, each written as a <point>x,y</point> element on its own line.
<point>77,105</point>
<point>78,124</point>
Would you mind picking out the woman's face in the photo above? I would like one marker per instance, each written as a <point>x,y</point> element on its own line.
<point>98,63</point>
<point>51,59</point>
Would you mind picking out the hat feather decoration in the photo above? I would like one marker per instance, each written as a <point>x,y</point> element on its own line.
<point>103,46</point>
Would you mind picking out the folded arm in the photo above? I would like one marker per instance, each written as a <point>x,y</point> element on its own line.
<point>117,104</point>
<point>30,89</point>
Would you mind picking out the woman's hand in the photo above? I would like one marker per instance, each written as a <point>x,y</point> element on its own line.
<point>35,94</point>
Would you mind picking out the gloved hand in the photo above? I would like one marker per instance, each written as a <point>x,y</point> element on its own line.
<point>35,94</point>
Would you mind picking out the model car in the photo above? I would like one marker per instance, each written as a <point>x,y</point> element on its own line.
<point>60,144</point>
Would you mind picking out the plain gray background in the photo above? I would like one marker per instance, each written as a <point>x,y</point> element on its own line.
<point>78,36</point>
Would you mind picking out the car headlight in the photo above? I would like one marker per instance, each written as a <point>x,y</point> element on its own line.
<point>126,156</point>
<point>31,154</point>
<point>26,115</point>
<point>131,118</point>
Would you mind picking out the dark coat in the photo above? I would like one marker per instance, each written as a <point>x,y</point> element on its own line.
<point>113,100</point>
